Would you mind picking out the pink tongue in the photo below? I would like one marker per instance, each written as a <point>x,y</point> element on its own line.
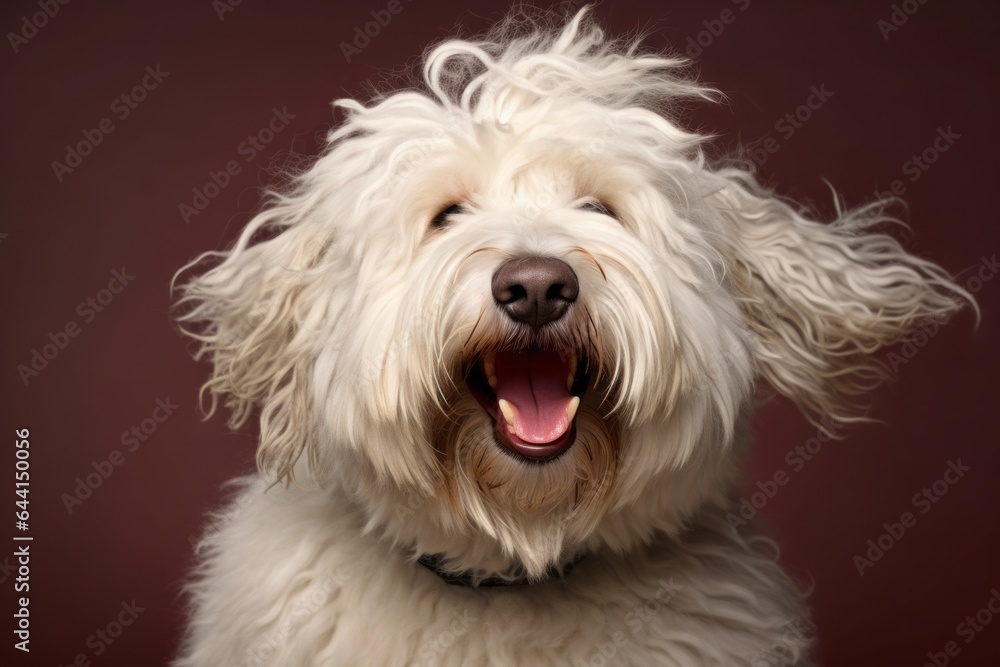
<point>534,382</point>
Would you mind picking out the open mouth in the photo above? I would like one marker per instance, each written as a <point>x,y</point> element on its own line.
<point>533,395</point>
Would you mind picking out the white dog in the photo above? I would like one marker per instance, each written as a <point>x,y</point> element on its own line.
<point>503,337</point>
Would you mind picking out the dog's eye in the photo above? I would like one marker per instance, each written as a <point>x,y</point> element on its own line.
<point>441,219</point>
<point>598,207</point>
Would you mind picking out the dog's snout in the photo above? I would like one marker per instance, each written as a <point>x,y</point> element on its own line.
<point>535,290</point>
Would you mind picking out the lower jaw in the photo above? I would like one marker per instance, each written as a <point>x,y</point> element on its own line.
<point>530,451</point>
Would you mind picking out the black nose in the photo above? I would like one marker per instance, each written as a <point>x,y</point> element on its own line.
<point>535,290</point>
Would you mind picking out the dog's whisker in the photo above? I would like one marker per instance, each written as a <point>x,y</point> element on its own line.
<point>593,259</point>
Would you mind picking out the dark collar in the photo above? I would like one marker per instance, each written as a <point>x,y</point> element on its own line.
<point>433,562</point>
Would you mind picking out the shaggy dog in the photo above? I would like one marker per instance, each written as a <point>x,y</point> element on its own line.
<point>504,337</point>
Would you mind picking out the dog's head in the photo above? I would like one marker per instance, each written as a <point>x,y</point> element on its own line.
<point>518,315</point>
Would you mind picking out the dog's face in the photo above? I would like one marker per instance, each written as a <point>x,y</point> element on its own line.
<point>534,328</point>
<point>521,317</point>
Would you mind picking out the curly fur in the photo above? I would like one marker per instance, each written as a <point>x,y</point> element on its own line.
<point>347,327</point>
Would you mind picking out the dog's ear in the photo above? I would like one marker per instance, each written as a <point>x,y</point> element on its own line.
<point>821,298</point>
<point>247,312</point>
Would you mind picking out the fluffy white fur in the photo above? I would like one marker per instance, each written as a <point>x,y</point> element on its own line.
<point>345,319</point>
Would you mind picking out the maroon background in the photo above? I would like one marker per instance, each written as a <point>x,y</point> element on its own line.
<point>119,208</point>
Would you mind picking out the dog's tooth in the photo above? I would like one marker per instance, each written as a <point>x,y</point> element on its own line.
<point>493,381</point>
<point>508,412</point>
<point>569,382</point>
<point>572,363</point>
<point>490,365</point>
<point>573,406</point>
